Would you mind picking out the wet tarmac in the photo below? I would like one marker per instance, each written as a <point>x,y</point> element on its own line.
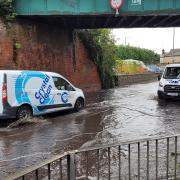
<point>115,115</point>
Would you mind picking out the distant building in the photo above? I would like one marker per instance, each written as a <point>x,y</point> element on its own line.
<point>170,57</point>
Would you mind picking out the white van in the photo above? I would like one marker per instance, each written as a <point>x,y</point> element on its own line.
<point>169,85</point>
<point>27,93</point>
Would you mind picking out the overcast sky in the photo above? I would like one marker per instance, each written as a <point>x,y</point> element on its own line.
<point>151,38</point>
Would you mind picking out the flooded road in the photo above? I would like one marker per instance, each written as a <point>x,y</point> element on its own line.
<point>115,115</point>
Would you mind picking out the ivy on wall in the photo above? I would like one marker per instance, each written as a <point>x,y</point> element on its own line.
<point>101,47</point>
<point>7,11</point>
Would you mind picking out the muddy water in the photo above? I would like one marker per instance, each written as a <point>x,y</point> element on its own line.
<point>110,116</point>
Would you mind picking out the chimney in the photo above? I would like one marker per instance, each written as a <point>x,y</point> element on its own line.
<point>163,51</point>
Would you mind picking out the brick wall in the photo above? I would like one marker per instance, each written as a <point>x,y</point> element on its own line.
<point>170,60</point>
<point>127,79</point>
<point>37,46</point>
<point>6,49</point>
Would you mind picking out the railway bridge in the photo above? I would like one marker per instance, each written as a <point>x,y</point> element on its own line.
<point>102,13</point>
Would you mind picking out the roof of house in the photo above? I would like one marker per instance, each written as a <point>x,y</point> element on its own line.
<point>175,52</point>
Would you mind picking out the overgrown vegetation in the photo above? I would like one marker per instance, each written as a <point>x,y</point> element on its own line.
<point>105,53</point>
<point>7,11</point>
<point>145,55</point>
<point>102,49</point>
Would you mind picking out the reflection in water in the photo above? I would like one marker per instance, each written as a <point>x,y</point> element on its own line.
<point>135,113</point>
<point>111,116</point>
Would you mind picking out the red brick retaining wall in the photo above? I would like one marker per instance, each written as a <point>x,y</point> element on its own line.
<point>35,46</point>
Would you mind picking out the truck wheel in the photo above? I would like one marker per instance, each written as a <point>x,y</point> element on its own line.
<point>79,104</point>
<point>24,112</point>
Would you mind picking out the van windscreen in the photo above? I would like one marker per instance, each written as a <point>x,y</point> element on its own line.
<point>172,73</point>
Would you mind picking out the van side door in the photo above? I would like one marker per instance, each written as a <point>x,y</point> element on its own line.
<point>64,93</point>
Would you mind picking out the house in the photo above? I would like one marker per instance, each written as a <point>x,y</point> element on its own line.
<point>170,57</point>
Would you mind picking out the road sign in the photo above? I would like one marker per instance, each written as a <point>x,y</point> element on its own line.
<point>116,4</point>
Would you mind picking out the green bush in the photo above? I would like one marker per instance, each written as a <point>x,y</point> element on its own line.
<point>7,11</point>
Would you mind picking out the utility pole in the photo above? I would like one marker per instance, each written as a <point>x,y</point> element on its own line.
<point>173,44</point>
<point>125,42</point>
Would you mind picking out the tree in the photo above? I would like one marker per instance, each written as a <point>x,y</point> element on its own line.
<point>145,55</point>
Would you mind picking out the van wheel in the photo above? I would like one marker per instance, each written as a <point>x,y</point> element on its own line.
<point>160,96</point>
<point>24,112</point>
<point>79,104</point>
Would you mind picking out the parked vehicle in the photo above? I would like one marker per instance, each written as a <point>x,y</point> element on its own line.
<point>169,85</point>
<point>27,93</point>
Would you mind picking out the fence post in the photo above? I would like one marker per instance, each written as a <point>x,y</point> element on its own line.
<point>71,167</point>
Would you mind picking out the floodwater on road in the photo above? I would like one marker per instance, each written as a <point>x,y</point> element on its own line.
<point>121,114</point>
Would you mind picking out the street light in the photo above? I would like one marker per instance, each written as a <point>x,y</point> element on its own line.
<point>173,44</point>
<point>126,39</point>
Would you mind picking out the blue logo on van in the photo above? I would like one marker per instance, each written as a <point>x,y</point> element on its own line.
<point>64,97</point>
<point>43,94</point>
<point>44,91</point>
<point>174,81</point>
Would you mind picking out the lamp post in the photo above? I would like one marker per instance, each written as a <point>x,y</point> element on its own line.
<point>173,44</point>
<point>125,42</point>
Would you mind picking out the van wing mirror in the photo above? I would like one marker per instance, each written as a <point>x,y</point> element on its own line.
<point>159,77</point>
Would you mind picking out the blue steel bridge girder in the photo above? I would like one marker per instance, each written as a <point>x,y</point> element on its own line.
<point>99,14</point>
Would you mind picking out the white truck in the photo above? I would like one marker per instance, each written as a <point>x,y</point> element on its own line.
<point>27,93</point>
<point>169,84</point>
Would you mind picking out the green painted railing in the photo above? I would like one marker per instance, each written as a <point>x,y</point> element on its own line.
<point>95,7</point>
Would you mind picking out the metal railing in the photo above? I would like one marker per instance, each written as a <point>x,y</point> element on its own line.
<point>144,159</point>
